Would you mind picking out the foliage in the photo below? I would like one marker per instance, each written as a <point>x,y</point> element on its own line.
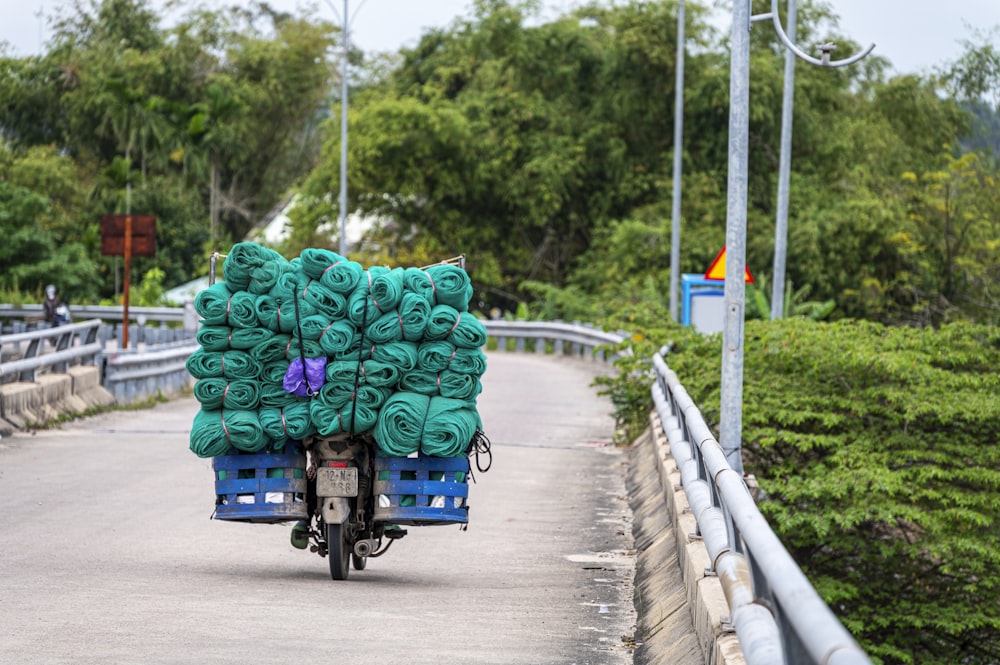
<point>795,302</point>
<point>507,141</point>
<point>950,249</point>
<point>878,451</point>
<point>150,292</point>
<point>205,124</point>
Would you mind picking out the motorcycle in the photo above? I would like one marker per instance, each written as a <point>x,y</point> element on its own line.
<point>349,504</point>
<point>341,477</point>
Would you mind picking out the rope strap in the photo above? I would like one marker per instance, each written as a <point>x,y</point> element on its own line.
<point>222,416</point>
<point>361,367</point>
<point>427,414</point>
<point>302,349</point>
<point>332,265</point>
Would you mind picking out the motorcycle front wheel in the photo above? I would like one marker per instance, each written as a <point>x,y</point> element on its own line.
<point>339,550</point>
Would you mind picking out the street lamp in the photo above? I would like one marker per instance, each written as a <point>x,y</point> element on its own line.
<point>731,402</point>
<point>784,170</point>
<point>675,233</point>
<point>345,29</point>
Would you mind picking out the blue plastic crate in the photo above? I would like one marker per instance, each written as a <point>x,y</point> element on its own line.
<point>422,490</point>
<point>261,487</point>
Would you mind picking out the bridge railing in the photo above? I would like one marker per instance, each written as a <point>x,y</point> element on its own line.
<point>147,325</point>
<point>574,339</point>
<point>777,614</point>
<point>49,349</point>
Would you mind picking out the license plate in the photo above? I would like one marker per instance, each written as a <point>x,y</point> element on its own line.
<point>332,481</point>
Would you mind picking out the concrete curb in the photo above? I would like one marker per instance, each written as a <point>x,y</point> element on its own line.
<point>51,396</point>
<point>672,565</point>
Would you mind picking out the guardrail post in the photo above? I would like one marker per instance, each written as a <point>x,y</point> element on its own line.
<point>28,375</point>
<point>64,342</point>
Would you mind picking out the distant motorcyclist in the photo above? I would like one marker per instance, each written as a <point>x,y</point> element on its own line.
<point>56,311</point>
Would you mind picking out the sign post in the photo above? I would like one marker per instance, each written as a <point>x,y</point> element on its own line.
<point>128,236</point>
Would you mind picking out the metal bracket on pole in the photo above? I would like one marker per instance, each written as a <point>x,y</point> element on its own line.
<point>731,389</point>
<point>823,61</point>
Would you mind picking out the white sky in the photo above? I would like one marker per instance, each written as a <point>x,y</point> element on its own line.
<point>915,35</point>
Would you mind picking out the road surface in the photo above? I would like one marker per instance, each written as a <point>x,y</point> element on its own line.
<point>108,554</point>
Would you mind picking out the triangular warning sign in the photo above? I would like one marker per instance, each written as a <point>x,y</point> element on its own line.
<point>718,268</point>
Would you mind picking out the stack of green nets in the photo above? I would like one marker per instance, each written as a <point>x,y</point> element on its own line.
<point>403,354</point>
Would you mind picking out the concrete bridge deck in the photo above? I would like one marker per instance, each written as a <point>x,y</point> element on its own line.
<point>632,589</point>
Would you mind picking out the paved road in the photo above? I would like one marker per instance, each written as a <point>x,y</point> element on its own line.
<point>108,555</point>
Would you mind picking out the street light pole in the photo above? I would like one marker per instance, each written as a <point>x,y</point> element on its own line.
<point>784,170</point>
<point>731,402</point>
<point>675,234</point>
<point>346,30</point>
<point>731,405</point>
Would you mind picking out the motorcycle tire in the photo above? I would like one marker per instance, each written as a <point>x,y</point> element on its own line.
<point>339,550</point>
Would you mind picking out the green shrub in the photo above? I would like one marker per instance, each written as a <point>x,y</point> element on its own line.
<point>878,451</point>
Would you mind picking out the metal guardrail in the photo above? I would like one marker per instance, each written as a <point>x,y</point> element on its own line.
<point>130,375</point>
<point>50,348</point>
<point>141,315</point>
<point>574,339</point>
<point>777,614</point>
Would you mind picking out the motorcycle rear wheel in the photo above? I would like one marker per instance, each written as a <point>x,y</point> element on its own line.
<point>339,550</point>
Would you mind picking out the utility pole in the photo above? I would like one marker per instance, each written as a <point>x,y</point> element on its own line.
<point>345,29</point>
<point>675,233</point>
<point>731,415</point>
<point>784,171</point>
<point>731,403</point>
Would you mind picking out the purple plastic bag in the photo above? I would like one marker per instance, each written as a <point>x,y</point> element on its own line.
<point>296,380</point>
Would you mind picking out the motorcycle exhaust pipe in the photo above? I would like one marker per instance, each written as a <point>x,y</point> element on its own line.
<point>364,547</point>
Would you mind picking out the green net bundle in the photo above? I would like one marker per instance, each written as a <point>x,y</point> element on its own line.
<point>215,431</point>
<point>460,328</point>
<point>403,354</point>
<point>243,259</point>
<point>217,305</point>
<point>216,393</point>
<point>338,337</point>
<point>327,302</point>
<point>436,426</point>
<point>278,314</point>
<point>204,364</point>
<point>223,338</point>
<point>291,421</point>
<point>438,356</point>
